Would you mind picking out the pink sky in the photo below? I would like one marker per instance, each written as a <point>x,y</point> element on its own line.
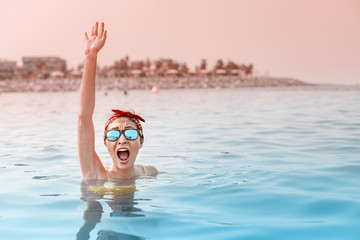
<point>315,41</point>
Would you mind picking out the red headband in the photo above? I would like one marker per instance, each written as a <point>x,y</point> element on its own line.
<point>132,116</point>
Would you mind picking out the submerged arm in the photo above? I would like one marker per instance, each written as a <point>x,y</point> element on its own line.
<point>90,164</point>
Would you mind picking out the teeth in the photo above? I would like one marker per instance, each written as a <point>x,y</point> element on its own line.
<point>122,150</point>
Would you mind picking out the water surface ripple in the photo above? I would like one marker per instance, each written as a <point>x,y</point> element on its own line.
<point>256,163</point>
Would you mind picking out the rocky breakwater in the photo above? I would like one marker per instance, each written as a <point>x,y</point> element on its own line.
<point>108,84</point>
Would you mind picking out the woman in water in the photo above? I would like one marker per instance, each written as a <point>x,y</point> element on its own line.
<point>123,134</point>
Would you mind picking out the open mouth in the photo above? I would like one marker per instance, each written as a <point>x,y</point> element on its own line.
<point>123,155</point>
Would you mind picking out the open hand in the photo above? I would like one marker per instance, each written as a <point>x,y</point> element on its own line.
<point>97,39</point>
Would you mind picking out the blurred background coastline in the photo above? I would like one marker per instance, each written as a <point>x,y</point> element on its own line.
<point>50,73</point>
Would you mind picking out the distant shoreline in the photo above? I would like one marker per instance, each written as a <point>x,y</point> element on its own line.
<point>130,83</point>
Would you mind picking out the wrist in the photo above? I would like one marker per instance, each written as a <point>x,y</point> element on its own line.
<point>91,55</point>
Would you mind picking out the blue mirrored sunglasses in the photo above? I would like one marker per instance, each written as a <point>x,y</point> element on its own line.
<point>114,134</point>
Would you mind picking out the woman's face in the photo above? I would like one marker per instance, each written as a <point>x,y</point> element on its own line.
<point>123,151</point>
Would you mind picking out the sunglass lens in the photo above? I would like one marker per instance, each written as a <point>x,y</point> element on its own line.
<point>112,135</point>
<point>131,134</point>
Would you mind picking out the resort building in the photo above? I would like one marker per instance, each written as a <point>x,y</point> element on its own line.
<point>7,69</point>
<point>42,67</point>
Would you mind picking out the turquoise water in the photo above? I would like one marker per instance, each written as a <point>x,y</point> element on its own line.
<point>254,163</point>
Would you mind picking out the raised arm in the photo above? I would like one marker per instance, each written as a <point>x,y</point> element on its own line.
<point>90,164</point>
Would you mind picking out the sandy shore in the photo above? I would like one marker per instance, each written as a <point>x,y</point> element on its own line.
<point>57,85</point>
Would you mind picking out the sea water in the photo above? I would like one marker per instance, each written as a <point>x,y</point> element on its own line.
<point>251,163</point>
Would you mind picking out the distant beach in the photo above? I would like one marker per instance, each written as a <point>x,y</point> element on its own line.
<point>130,83</point>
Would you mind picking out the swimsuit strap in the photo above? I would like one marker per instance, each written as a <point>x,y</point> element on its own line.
<point>107,176</point>
<point>144,170</point>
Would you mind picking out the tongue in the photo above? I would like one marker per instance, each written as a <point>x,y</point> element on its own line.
<point>124,155</point>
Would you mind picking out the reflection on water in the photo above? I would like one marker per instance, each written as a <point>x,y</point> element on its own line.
<point>119,195</point>
<point>109,235</point>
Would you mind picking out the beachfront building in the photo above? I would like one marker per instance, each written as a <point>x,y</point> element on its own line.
<point>43,67</point>
<point>8,69</point>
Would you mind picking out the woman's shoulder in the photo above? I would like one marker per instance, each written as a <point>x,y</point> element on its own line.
<point>149,170</point>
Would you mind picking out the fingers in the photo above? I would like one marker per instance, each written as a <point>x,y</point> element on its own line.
<point>101,32</point>
<point>104,36</point>
<point>96,32</point>
<point>93,31</point>
<point>96,29</point>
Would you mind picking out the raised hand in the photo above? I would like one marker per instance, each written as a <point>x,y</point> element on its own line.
<point>97,39</point>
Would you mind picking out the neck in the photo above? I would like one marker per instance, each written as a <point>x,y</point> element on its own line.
<point>126,173</point>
